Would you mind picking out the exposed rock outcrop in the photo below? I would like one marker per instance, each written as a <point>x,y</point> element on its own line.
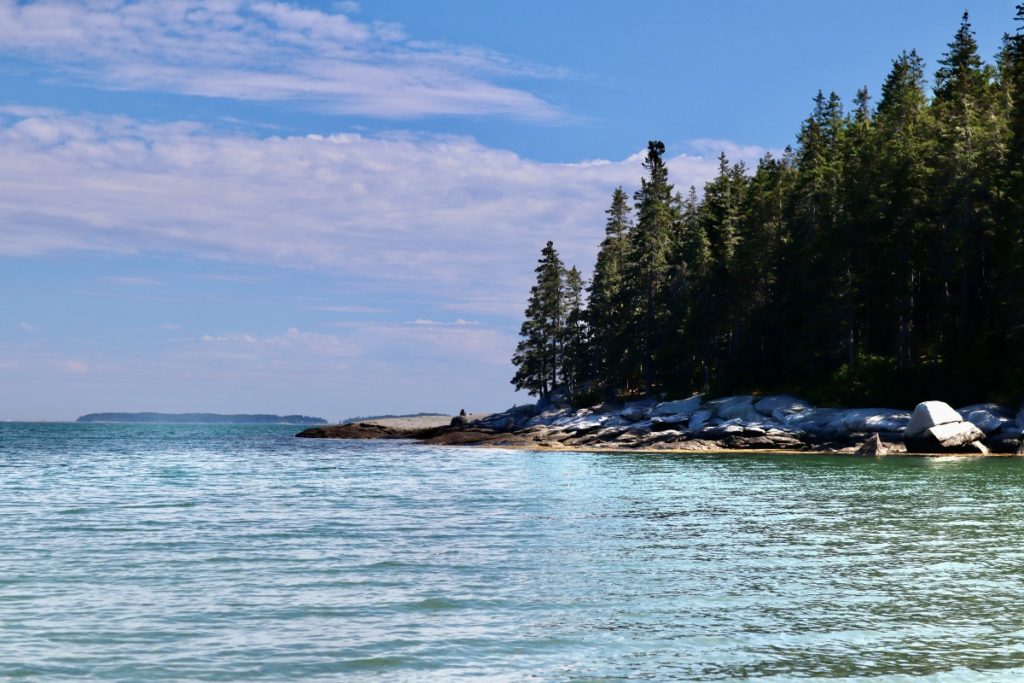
<point>735,422</point>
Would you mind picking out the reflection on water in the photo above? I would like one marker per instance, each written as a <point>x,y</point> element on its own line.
<point>240,553</point>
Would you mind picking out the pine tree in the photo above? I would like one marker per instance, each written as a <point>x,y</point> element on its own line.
<point>538,356</point>
<point>605,309</point>
<point>576,356</point>
<point>1009,237</point>
<point>901,144</point>
<point>646,273</point>
<point>962,248</point>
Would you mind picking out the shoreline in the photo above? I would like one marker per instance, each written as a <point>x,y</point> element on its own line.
<point>778,424</point>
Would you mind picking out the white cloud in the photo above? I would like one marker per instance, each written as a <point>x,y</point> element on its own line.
<point>349,6</point>
<point>283,347</point>
<point>26,327</point>
<point>456,220</point>
<point>735,152</point>
<point>257,50</point>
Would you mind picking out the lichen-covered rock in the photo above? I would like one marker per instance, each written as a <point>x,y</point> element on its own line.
<point>930,414</point>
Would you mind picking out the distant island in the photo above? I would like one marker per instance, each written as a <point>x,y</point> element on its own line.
<point>202,418</point>
<point>365,418</point>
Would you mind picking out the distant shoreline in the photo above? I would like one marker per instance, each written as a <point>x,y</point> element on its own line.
<point>200,418</point>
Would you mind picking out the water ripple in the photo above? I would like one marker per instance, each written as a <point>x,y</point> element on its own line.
<point>240,553</point>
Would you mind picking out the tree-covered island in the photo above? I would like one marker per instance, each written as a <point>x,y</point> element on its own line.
<point>880,259</point>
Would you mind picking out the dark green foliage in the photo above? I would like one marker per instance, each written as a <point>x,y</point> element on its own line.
<point>605,311</point>
<point>881,259</point>
<point>554,349</point>
<point>538,356</point>
<point>646,273</point>
<point>576,356</point>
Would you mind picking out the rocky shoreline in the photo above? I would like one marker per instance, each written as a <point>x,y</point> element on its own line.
<point>769,423</point>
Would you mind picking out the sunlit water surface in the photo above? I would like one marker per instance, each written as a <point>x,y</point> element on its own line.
<point>241,553</point>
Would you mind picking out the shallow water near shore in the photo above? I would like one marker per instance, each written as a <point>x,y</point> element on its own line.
<point>153,552</point>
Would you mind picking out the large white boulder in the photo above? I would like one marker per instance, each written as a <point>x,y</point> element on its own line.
<point>683,407</point>
<point>955,434</point>
<point>930,414</point>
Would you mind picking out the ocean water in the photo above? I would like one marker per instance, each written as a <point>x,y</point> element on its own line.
<point>149,552</point>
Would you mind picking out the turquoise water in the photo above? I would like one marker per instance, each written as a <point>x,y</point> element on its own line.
<point>145,552</point>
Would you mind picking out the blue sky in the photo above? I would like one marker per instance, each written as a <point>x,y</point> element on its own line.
<point>335,208</point>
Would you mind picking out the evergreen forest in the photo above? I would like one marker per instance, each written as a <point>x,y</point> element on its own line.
<point>880,259</point>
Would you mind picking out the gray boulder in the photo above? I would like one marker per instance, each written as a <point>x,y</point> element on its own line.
<point>684,407</point>
<point>821,423</point>
<point>698,420</point>
<point>636,411</point>
<point>783,404</point>
<point>986,421</point>
<point>1005,444</point>
<point>930,414</point>
<point>873,446</point>
<point>994,408</point>
<point>876,420</point>
<point>733,407</point>
<point>505,423</point>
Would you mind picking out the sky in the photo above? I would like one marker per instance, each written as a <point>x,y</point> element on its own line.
<point>335,208</point>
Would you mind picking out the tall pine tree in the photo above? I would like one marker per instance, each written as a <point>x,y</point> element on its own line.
<point>538,356</point>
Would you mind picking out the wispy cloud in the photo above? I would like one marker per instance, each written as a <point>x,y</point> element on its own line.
<point>466,230</point>
<point>129,280</point>
<point>74,367</point>
<point>345,309</point>
<point>255,50</point>
<point>26,327</point>
<point>435,323</point>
